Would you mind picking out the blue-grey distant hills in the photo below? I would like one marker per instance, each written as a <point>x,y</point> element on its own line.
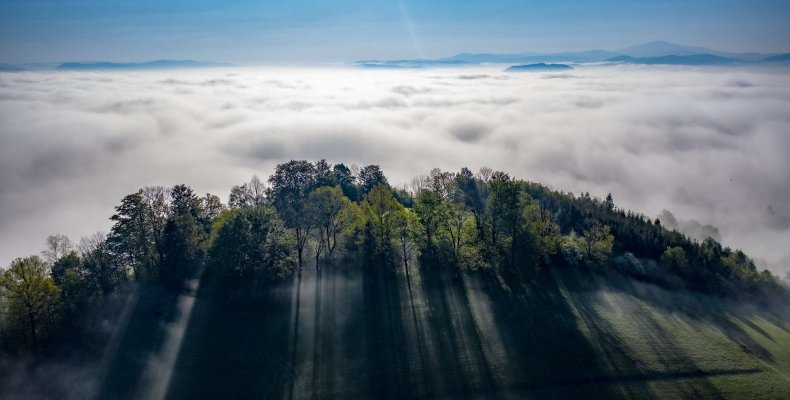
<point>539,67</point>
<point>694,59</point>
<point>578,56</point>
<point>412,64</point>
<point>158,64</point>
<point>652,53</point>
<point>9,68</point>
<point>777,58</point>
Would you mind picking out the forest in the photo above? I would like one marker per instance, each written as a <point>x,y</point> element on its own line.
<point>316,215</point>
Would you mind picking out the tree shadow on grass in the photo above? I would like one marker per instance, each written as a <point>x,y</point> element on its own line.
<point>236,344</point>
<point>141,340</point>
<point>543,341</point>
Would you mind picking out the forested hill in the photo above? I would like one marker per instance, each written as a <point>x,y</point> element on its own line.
<point>484,230</point>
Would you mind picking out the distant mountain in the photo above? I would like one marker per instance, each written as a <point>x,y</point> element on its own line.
<point>695,59</point>
<point>661,48</point>
<point>481,58</point>
<point>777,58</point>
<point>412,64</point>
<point>658,52</point>
<point>158,64</point>
<point>9,68</point>
<point>540,67</point>
<point>471,59</point>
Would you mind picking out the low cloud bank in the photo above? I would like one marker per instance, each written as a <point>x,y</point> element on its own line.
<point>710,145</point>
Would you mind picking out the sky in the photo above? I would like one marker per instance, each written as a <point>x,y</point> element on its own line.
<point>708,144</point>
<point>320,31</point>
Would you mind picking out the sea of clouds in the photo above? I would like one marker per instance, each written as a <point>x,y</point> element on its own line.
<point>712,145</point>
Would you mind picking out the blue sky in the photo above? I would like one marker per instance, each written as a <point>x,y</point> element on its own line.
<point>296,31</point>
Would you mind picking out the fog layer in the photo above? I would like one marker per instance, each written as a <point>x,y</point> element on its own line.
<point>710,145</point>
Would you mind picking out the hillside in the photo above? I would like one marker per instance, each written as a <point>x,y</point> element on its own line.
<point>540,67</point>
<point>158,64</point>
<point>694,59</point>
<point>330,283</point>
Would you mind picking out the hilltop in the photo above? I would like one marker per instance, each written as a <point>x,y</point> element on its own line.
<point>327,282</point>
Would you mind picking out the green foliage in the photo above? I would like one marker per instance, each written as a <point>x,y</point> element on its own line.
<point>32,298</point>
<point>407,232</point>
<point>345,179</point>
<point>251,243</point>
<point>212,206</point>
<point>430,213</point>
<point>99,262</point>
<point>249,194</point>
<point>380,209</point>
<point>371,177</point>
<point>132,236</point>
<point>184,238</point>
<point>598,244</point>
<point>335,216</point>
<point>291,183</point>
<point>78,286</point>
<point>675,258</point>
<point>512,228</point>
<point>184,245</point>
<point>572,249</point>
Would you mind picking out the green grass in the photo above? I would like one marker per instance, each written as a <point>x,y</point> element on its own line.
<point>660,344</point>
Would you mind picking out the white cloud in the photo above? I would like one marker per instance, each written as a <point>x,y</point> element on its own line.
<point>708,144</point>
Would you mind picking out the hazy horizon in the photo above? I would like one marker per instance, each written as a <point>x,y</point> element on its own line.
<point>310,31</point>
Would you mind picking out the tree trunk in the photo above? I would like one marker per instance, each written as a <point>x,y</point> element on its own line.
<point>33,336</point>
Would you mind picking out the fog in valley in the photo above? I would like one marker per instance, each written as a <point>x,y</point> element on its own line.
<point>708,145</point>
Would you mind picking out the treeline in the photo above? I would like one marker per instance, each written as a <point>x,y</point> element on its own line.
<point>319,215</point>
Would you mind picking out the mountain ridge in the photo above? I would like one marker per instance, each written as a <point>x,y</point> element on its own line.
<point>651,53</point>
<point>156,64</point>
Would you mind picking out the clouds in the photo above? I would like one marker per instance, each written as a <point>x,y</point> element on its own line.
<point>707,144</point>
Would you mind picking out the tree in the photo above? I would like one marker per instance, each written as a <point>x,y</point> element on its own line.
<point>345,179</point>
<point>57,246</point>
<point>240,197</point>
<point>32,296</point>
<point>251,243</point>
<point>212,206</point>
<point>334,214</point>
<point>184,201</point>
<point>609,203</point>
<point>371,177</point>
<point>572,248</point>
<point>184,238</point>
<point>98,260</point>
<point>428,208</point>
<point>76,283</point>
<point>406,230</point>
<point>598,243</point>
<point>505,208</point>
<point>249,194</point>
<point>324,175</point>
<point>291,183</point>
<point>380,208</point>
<point>156,199</point>
<point>131,236</point>
<point>473,198</point>
<point>443,183</point>
<point>455,225</point>
<point>675,258</point>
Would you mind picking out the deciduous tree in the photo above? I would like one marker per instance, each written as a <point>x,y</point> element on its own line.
<point>32,296</point>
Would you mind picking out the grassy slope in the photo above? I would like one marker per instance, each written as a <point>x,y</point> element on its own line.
<point>673,345</point>
<point>566,334</point>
